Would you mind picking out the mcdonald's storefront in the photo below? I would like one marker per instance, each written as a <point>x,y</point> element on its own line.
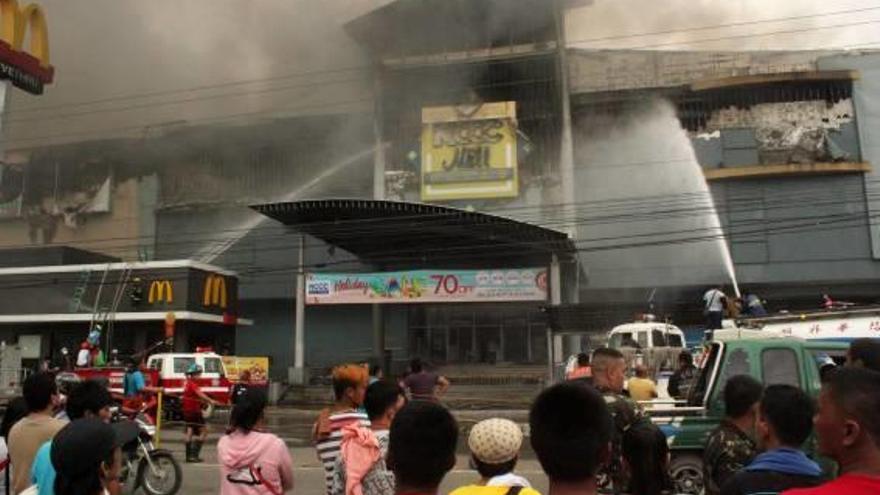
<point>139,306</point>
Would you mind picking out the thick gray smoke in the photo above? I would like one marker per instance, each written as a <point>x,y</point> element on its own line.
<point>110,48</point>
<point>613,24</point>
<point>640,169</point>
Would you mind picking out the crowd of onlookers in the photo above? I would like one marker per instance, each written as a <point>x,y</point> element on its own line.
<point>60,444</point>
<point>394,437</point>
<point>590,436</point>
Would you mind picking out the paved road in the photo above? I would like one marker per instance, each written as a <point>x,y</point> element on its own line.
<point>309,476</point>
<point>293,426</point>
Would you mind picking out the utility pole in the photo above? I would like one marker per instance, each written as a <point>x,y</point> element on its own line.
<point>297,374</point>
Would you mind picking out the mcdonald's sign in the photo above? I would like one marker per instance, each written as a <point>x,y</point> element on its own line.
<point>161,290</point>
<point>215,291</point>
<point>28,70</point>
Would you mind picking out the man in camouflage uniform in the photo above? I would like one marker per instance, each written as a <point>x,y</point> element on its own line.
<point>730,446</point>
<point>609,367</point>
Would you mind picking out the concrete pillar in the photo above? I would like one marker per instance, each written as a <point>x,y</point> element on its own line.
<point>379,194</point>
<point>555,300</point>
<point>297,374</point>
<point>566,141</point>
<point>379,149</point>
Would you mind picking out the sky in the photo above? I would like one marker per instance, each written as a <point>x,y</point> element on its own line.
<point>300,60</point>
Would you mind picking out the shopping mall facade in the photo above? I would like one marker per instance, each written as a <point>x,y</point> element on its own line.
<point>454,213</point>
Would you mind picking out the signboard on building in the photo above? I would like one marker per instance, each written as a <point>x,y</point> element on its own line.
<point>469,152</point>
<point>427,286</point>
<point>28,70</point>
<point>258,367</point>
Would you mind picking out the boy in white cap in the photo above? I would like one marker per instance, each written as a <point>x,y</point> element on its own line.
<point>494,445</point>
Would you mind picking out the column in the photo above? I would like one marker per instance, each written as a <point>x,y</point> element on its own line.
<point>297,374</point>
<point>555,300</point>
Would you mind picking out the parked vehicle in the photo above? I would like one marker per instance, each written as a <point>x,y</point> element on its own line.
<point>167,372</point>
<point>836,324</point>
<point>153,470</point>
<point>654,344</point>
<point>771,361</point>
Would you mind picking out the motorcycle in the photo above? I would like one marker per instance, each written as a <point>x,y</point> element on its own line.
<point>143,465</point>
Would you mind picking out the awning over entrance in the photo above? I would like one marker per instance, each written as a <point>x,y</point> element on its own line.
<point>396,233</point>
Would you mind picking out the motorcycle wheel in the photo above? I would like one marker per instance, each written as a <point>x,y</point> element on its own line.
<point>165,479</point>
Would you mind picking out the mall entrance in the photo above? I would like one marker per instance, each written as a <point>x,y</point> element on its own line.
<point>477,333</point>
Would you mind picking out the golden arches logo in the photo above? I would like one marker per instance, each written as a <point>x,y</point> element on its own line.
<point>215,291</point>
<point>161,290</point>
<point>15,22</point>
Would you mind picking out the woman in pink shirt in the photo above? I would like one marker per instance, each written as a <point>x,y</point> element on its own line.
<point>253,462</point>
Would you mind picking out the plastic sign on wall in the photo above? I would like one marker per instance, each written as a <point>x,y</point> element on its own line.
<point>258,367</point>
<point>469,152</point>
<point>427,286</point>
<point>26,69</point>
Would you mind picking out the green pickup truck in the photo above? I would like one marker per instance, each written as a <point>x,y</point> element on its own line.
<point>771,361</point>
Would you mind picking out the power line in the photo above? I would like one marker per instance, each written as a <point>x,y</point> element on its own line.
<point>641,209</point>
<point>354,68</point>
<point>725,25</point>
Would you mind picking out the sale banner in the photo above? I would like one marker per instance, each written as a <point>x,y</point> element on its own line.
<point>427,286</point>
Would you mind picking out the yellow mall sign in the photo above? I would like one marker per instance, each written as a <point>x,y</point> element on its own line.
<point>28,70</point>
<point>214,293</point>
<point>469,151</point>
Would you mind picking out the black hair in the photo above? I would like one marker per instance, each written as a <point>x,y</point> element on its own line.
<point>857,392</point>
<point>248,410</point>
<point>416,365</point>
<point>375,367</point>
<point>88,483</point>
<point>88,396</point>
<point>608,352</point>
<point>421,445</point>
<point>380,396</point>
<point>15,410</point>
<point>488,471</point>
<point>646,452</point>
<point>740,394</point>
<point>570,431</point>
<point>38,390</point>
<point>583,359</point>
<point>867,351</point>
<point>789,410</point>
<point>686,357</point>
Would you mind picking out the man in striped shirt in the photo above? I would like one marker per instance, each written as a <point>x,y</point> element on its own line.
<point>349,387</point>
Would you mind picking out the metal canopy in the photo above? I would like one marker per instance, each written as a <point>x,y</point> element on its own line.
<point>399,233</point>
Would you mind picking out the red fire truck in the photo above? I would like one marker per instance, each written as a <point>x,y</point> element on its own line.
<point>167,372</point>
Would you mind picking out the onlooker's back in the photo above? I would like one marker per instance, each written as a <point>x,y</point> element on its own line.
<point>785,421</point>
<point>29,434</point>
<point>253,462</point>
<point>641,387</point>
<point>494,445</point>
<point>421,447</point>
<point>571,430</point>
<point>646,458</point>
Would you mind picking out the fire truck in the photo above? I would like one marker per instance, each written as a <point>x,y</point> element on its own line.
<point>167,372</point>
